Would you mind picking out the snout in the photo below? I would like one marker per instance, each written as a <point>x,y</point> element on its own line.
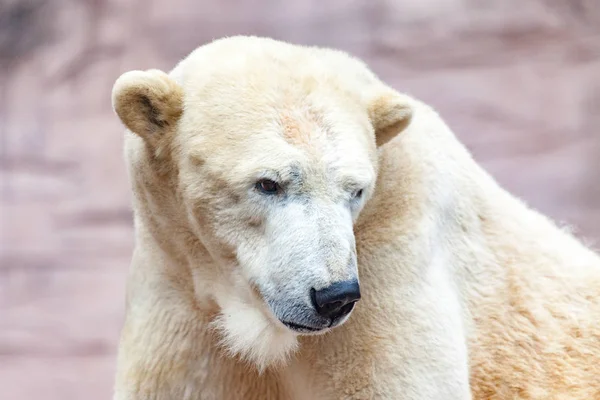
<point>329,307</point>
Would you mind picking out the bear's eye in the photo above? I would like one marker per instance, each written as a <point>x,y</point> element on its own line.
<point>358,194</point>
<point>267,186</point>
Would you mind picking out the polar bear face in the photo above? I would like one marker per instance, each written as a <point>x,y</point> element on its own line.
<point>272,151</point>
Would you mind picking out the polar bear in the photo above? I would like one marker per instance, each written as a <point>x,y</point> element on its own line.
<point>304,231</point>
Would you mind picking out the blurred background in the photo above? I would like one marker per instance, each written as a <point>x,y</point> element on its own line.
<point>517,80</point>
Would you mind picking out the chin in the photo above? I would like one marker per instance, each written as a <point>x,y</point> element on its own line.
<point>250,333</point>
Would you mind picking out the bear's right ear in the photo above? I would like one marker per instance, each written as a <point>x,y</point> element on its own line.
<point>149,103</point>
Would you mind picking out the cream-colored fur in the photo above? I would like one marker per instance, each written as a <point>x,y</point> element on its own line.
<point>466,292</point>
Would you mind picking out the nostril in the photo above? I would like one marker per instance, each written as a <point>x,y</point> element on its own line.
<point>313,298</point>
<point>331,307</point>
<point>347,308</point>
<point>336,300</point>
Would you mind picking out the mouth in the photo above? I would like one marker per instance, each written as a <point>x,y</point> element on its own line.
<point>306,329</point>
<point>302,328</point>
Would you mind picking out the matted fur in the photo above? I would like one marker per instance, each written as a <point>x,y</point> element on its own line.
<point>466,292</point>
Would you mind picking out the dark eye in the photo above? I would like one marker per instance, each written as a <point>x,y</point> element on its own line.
<point>267,186</point>
<point>358,194</point>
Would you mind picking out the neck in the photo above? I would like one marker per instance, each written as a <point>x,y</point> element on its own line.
<point>163,231</point>
<point>440,197</point>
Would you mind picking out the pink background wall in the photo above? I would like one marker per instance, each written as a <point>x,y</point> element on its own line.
<point>518,80</point>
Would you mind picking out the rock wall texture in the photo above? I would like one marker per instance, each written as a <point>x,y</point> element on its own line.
<point>518,80</point>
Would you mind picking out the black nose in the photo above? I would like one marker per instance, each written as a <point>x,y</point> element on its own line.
<point>336,300</point>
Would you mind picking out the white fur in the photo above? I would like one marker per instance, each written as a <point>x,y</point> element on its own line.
<point>246,331</point>
<point>466,291</point>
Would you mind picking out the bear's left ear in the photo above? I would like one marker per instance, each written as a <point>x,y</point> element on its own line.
<point>149,103</point>
<point>390,113</point>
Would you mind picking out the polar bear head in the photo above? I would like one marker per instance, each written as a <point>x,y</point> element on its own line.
<point>255,157</point>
